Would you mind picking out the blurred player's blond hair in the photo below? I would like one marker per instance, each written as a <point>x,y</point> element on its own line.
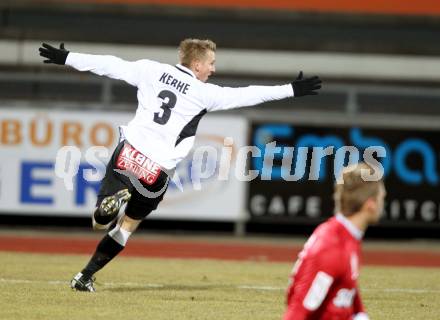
<point>194,49</point>
<point>354,189</point>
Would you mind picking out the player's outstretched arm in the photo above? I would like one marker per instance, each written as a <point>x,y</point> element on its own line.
<point>224,98</point>
<point>104,65</point>
<point>53,55</point>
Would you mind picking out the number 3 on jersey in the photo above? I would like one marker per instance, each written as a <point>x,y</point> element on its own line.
<point>169,100</point>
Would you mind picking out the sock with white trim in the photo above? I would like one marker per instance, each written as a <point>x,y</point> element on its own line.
<point>109,247</point>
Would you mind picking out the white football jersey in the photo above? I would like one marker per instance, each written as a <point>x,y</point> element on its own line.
<point>171,102</point>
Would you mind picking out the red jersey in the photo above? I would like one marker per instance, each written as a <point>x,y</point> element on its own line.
<point>323,284</point>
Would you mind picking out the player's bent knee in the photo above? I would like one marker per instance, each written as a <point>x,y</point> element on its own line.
<point>129,224</point>
<point>120,235</point>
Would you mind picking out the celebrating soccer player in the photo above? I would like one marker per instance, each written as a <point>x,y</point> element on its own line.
<point>172,100</point>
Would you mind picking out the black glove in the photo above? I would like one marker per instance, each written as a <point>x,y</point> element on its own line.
<point>54,55</point>
<point>305,86</point>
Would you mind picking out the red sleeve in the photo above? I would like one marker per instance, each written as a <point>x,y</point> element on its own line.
<point>316,272</point>
<point>358,306</point>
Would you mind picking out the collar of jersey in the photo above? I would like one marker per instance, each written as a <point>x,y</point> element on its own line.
<point>354,231</point>
<point>185,70</point>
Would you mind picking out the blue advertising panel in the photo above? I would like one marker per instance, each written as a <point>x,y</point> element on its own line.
<point>298,166</point>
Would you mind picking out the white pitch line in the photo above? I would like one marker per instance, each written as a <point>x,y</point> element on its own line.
<point>58,282</point>
<point>263,288</point>
<point>244,287</point>
<point>133,284</point>
<point>402,290</point>
<point>130,284</point>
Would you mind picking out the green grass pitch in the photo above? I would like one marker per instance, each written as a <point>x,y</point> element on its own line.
<point>36,286</point>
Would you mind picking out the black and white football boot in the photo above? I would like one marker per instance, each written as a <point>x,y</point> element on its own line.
<point>81,283</point>
<point>109,208</point>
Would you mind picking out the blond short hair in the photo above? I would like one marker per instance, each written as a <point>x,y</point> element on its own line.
<point>355,190</point>
<point>194,49</point>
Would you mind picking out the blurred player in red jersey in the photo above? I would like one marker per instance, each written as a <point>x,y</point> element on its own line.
<point>323,284</point>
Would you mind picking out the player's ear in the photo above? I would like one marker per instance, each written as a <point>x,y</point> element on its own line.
<point>371,204</point>
<point>196,64</point>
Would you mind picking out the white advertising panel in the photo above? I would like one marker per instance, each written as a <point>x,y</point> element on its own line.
<point>34,181</point>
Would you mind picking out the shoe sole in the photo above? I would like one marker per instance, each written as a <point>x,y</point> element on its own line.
<point>110,206</point>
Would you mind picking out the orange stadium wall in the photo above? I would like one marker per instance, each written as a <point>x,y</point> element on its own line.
<point>392,7</point>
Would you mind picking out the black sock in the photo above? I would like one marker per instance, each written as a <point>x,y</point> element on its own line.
<point>107,249</point>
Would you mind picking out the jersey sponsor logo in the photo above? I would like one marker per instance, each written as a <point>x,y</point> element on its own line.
<point>344,298</point>
<point>140,165</point>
